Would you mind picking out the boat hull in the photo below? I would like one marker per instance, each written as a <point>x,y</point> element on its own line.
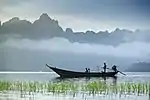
<point>73,74</point>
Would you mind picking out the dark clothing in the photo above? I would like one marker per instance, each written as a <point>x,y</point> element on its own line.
<point>86,70</point>
<point>114,68</point>
<point>105,67</point>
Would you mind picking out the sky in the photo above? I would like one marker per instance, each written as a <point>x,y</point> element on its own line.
<point>82,15</point>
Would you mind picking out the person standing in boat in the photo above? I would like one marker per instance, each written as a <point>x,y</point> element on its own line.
<point>105,66</point>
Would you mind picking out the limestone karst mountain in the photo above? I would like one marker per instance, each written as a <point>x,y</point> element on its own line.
<point>45,28</point>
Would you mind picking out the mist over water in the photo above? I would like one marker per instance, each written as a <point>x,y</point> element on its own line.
<point>32,55</point>
<point>62,45</point>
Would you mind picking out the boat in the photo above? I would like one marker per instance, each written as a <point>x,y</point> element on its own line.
<point>74,74</point>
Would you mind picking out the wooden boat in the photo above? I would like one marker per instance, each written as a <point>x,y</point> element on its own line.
<point>73,74</point>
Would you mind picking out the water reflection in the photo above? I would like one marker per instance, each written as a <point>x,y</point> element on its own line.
<point>86,79</point>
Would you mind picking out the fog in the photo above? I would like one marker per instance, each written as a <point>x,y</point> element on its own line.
<point>62,45</point>
<point>32,55</point>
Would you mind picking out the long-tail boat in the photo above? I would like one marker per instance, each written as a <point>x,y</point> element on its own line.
<point>74,74</point>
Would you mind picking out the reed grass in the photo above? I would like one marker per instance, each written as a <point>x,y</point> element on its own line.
<point>91,88</point>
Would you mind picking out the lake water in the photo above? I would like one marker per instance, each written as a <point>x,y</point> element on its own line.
<point>131,77</point>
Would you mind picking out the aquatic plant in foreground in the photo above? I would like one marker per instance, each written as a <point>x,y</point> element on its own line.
<point>95,87</point>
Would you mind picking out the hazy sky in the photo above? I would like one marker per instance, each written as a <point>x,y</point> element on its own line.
<point>82,15</point>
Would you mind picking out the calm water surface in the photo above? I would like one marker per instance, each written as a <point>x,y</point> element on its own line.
<point>50,76</point>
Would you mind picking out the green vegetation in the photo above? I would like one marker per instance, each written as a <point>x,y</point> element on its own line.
<point>71,88</point>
